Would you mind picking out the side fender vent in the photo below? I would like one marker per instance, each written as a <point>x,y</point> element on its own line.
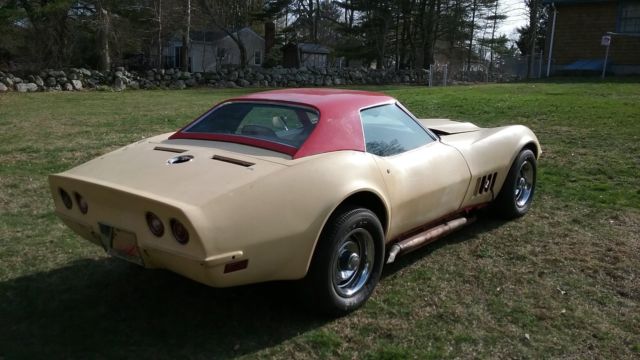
<point>232,161</point>
<point>485,184</point>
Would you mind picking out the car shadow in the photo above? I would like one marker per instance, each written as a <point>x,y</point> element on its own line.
<point>109,309</point>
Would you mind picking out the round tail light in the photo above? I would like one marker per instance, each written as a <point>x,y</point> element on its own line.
<point>180,232</point>
<point>82,203</point>
<point>155,224</point>
<point>66,199</point>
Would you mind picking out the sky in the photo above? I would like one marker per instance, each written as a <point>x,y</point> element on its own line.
<point>517,16</point>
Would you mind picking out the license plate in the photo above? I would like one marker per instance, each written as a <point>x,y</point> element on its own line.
<point>121,244</point>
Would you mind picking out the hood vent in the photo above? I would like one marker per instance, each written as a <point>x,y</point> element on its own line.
<point>232,161</point>
<point>168,149</point>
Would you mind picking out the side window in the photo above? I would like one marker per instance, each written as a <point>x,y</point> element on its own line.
<point>388,131</point>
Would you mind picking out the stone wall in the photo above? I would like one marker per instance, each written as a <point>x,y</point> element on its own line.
<point>120,79</point>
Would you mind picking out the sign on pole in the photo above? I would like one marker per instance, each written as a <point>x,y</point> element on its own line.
<point>606,40</point>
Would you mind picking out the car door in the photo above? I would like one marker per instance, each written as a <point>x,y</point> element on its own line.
<point>425,178</point>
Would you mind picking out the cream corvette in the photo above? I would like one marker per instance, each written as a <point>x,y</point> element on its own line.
<point>315,184</point>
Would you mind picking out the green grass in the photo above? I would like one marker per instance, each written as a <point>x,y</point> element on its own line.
<point>561,282</point>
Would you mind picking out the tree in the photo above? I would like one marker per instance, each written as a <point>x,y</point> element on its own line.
<point>474,8</point>
<point>157,9</point>
<point>103,33</point>
<point>47,27</point>
<point>229,16</point>
<point>398,33</point>
<point>11,33</point>
<point>186,40</point>
<point>534,37</point>
<point>494,19</point>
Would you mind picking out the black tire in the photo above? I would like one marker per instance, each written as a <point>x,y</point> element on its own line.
<point>516,195</point>
<point>351,231</point>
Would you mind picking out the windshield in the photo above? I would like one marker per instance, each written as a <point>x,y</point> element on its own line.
<point>284,124</point>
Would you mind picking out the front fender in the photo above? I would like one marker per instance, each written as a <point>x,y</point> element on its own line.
<point>491,151</point>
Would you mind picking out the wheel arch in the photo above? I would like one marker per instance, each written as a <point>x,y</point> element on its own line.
<point>365,198</point>
<point>531,145</point>
<point>368,200</point>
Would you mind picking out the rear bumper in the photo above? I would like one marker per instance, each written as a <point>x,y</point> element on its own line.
<point>207,270</point>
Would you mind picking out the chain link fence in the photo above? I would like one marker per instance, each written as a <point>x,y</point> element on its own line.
<point>504,69</point>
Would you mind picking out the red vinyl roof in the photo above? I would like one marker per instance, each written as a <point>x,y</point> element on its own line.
<point>322,99</point>
<point>338,128</point>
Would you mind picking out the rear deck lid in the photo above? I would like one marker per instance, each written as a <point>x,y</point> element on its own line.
<point>182,171</point>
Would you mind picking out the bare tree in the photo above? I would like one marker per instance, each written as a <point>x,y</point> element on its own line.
<point>229,16</point>
<point>186,39</point>
<point>474,8</point>
<point>494,18</point>
<point>157,11</point>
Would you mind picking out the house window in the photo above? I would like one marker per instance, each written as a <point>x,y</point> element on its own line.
<point>257,57</point>
<point>629,17</point>
<point>177,50</point>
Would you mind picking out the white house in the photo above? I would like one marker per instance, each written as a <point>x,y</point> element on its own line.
<point>212,49</point>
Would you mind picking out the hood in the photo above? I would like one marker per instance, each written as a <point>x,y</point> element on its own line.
<point>179,171</point>
<point>448,127</point>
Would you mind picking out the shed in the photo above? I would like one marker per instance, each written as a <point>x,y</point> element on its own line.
<point>305,54</point>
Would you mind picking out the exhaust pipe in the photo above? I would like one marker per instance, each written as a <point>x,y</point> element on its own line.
<point>426,237</point>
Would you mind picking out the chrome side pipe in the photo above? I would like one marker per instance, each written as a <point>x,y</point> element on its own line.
<point>426,237</point>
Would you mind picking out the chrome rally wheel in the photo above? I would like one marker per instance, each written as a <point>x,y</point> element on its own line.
<point>524,184</point>
<point>516,195</point>
<point>353,262</point>
<point>347,262</point>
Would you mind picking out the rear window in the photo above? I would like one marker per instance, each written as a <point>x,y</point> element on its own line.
<point>284,124</point>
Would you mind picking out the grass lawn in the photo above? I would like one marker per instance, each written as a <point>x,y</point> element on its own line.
<point>564,281</point>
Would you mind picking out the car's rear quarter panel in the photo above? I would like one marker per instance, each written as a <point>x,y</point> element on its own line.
<point>278,220</point>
